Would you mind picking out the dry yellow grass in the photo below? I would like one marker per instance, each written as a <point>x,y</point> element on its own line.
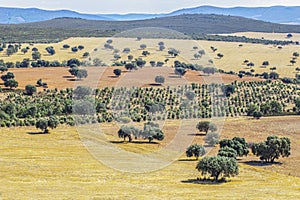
<point>233,54</point>
<point>267,36</point>
<point>58,166</point>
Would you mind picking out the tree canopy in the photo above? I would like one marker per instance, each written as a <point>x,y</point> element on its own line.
<point>45,123</point>
<point>238,144</point>
<point>272,148</point>
<point>195,150</point>
<point>218,167</point>
<point>205,126</point>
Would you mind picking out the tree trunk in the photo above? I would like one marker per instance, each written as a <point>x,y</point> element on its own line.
<point>217,177</point>
<point>129,138</point>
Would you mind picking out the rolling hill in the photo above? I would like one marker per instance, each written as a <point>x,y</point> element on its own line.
<point>275,14</point>
<point>62,28</point>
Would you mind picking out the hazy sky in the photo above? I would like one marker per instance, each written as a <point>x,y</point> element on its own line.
<point>137,6</point>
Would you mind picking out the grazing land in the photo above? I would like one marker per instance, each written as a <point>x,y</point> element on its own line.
<point>233,60</point>
<point>80,100</point>
<point>57,165</point>
<point>59,77</point>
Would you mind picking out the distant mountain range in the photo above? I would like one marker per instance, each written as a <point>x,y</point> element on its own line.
<point>27,15</point>
<point>275,14</point>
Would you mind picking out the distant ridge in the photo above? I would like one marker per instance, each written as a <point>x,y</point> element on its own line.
<point>190,25</point>
<point>275,14</point>
<point>186,23</point>
<point>27,15</point>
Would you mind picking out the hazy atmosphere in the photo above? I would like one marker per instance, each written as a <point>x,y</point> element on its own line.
<point>153,99</point>
<point>137,6</point>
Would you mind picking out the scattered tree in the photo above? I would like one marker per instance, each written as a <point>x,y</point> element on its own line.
<point>81,73</point>
<point>30,89</point>
<point>74,49</point>
<point>50,50</point>
<point>117,72</point>
<point>238,144</point>
<point>80,47</point>
<point>218,166</point>
<point>180,71</point>
<point>45,123</point>
<point>265,63</point>
<point>11,83</point>
<point>212,138</point>
<point>143,46</point>
<point>24,50</point>
<point>145,53</point>
<point>159,79</point>
<point>220,55</point>
<point>195,150</point>
<point>36,55</point>
<point>272,148</point>
<point>128,132</point>
<point>206,126</point>
<point>227,152</point>
<point>66,46</point>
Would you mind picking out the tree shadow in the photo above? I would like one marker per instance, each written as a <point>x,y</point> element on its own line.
<point>118,142</point>
<point>205,181</point>
<point>197,134</point>
<point>68,76</point>
<point>173,76</point>
<point>260,163</point>
<point>113,76</point>
<point>37,133</point>
<point>155,84</point>
<point>133,142</point>
<point>187,160</point>
<point>74,79</point>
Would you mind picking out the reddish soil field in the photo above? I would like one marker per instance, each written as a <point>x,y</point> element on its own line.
<point>60,78</point>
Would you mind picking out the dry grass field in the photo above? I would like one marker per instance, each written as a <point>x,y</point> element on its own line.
<point>60,78</point>
<point>58,166</point>
<point>232,60</point>
<point>268,36</point>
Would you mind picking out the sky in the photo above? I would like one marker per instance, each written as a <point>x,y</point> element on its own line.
<point>137,6</point>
